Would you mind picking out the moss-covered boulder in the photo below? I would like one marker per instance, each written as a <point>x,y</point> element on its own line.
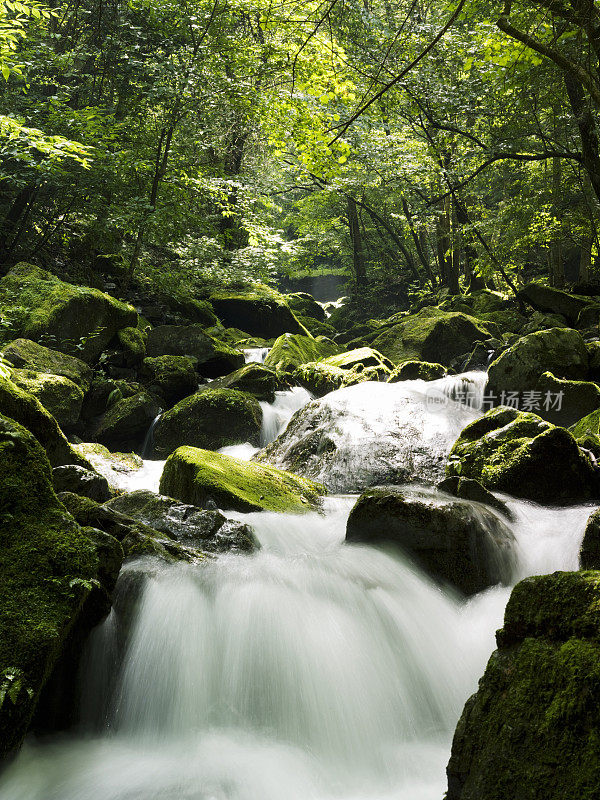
<point>589,554</point>
<point>469,489</point>
<point>86,482</point>
<point>509,451</point>
<point>588,425</point>
<point>170,377</point>
<point>262,312</point>
<point>126,423</point>
<point>209,419</point>
<point>457,542</point>
<point>532,730</point>
<point>54,577</point>
<point>319,378</point>
<point>27,410</point>
<point>72,319</point>
<point>418,370</point>
<point>132,344</point>
<point>305,305</point>
<point>565,402</point>
<point>431,335</point>
<point>560,351</point>
<point>361,357</point>
<point>214,357</point>
<point>60,397</point>
<point>255,379</point>
<point>554,301</point>
<point>25,354</point>
<point>291,351</point>
<point>317,328</point>
<point>198,476</point>
<point>209,530</point>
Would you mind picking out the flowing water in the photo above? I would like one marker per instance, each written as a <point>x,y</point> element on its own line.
<point>310,670</point>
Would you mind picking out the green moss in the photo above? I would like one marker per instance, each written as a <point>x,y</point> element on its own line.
<point>261,311</point>
<point>418,370</point>
<point>59,396</point>
<point>319,378</point>
<point>254,379</point>
<point>133,342</point>
<point>211,419</point>
<point>362,357</point>
<point>74,319</point>
<point>25,354</point>
<point>43,552</point>
<point>196,476</point>
<point>507,450</point>
<point>291,351</point>
<point>173,377</point>
<point>588,425</point>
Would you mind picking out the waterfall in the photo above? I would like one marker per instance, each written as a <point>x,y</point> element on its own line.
<point>256,355</point>
<point>310,670</point>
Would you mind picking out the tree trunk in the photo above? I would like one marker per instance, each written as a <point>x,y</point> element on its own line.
<point>557,276</point>
<point>358,256</point>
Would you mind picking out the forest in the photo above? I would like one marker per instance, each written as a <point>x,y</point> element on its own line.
<point>299,400</point>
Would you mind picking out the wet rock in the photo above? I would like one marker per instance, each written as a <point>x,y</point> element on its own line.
<point>461,543</point>
<point>73,319</point>
<point>214,358</point>
<point>262,313</point>
<point>211,419</point>
<point>469,489</point>
<point>589,553</point>
<point>432,335</point>
<point>418,370</point>
<point>254,379</point>
<point>509,451</point>
<point>198,476</point>
<point>361,358</point>
<point>209,530</point>
<point>53,576</point>
<point>560,351</point>
<point>291,351</point>
<point>532,728</point>
<point>86,482</point>
<point>126,423</point>
<point>170,377</point>
<point>319,378</point>
<point>25,354</point>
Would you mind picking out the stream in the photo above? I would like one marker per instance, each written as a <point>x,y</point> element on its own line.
<point>310,670</point>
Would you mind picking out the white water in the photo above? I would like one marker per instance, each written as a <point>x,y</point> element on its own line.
<point>256,355</point>
<point>311,670</point>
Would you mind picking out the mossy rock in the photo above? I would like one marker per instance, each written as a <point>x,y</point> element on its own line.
<point>126,423</point>
<point>252,378</point>
<point>532,730</point>
<point>214,357</point>
<point>291,351</point>
<point>317,328</point>
<point>460,543</point>
<point>319,378</point>
<point>418,370</point>
<point>234,337</point>
<point>431,335</point>
<point>171,377</point>
<point>362,357</point>
<point>509,451</point>
<point>111,465</point>
<point>27,410</point>
<point>86,482</point>
<point>53,577</point>
<point>543,322</point>
<point>59,396</point>
<point>132,344</point>
<point>262,312</point>
<point>210,419</point>
<point>588,425</point>
<point>560,351</point>
<point>305,305</point>
<point>73,319</point>
<point>25,354</point>
<point>573,399</point>
<point>554,301</point>
<point>197,476</point>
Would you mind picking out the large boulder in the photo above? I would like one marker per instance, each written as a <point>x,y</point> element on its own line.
<point>263,312</point>
<point>25,354</point>
<point>60,397</point>
<point>554,301</point>
<point>255,379</point>
<point>86,482</point>
<point>170,377</point>
<point>55,577</point>
<point>532,730</point>
<point>209,530</point>
<point>431,335</point>
<point>565,402</point>
<point>72,319</point>
<point>198,476</point>
<point>319,378</point>
<point>360,358</point>
<point>418,370</point>
<point>27,410</point>
<point>209,419</point>
<point>560,351</point>
<point>126,423</point>
<point>458,542</point>
<point>132,346</point>
<point>305,305</point>
<point>214,357</point>
<point>510,451</point>
<point>291,351</point>
<point>367,435</point>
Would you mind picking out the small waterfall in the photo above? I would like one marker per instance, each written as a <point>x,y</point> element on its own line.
<point>256,355</point>
<point>148,446</point>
